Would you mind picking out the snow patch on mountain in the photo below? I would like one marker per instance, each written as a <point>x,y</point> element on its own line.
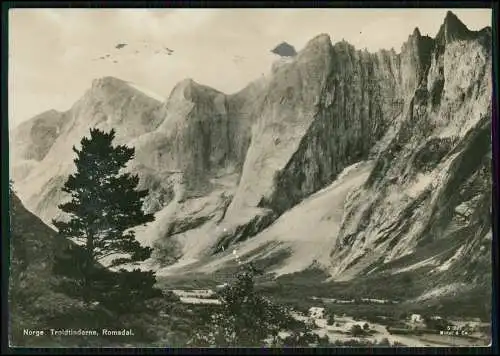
<point>292,231</point>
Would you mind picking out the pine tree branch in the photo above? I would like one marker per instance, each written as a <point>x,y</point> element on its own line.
<point>113,252</point>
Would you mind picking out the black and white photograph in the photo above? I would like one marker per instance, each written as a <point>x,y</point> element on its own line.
<point>244,177</point>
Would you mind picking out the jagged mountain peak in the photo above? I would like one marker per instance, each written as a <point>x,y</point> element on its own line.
<point>189,89</point>
<point>109,87</point>
<point>415,38</point>
<point>44,116</point>
<point>49,112</point>
<point>451,18</point>
<point>187,83</point>
<point>317,47</point>
<point>486,30</point>
<point>452,22</point>
<point>107,81</point>
<point>322,40</point>
<point>452,29</point>
<point>314,49</point>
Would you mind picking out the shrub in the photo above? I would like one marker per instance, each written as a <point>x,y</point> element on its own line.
<point>384,342</point>
<point>436,324</point>
<point>245,318</point>
<point>356,330</point>
<point>331,319</point>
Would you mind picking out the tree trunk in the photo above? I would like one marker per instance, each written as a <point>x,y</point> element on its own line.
<point>87,268</point>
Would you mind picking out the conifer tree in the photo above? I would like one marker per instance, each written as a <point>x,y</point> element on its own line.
<point>105,204</point>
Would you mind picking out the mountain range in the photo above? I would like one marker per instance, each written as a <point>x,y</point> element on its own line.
<point>352,162</point>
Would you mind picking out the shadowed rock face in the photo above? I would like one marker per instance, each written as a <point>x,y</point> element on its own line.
<point>34,138</point>
<point>222,168</point>
<point>31,140</point>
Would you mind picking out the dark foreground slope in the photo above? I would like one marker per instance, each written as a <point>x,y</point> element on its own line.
<point>32,299</point>
<point>38,303</point>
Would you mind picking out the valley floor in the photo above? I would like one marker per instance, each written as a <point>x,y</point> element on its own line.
<point>340,330</point>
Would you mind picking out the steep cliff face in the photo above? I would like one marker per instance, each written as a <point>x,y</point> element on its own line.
<point>200,138</point>
<point>193,162</point>
<point>354,106</point>
<point>282,120</point>
<point>349,100</point>
<point>425,200</point>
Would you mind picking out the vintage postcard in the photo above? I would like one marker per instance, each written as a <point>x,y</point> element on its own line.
<point>250,177</point>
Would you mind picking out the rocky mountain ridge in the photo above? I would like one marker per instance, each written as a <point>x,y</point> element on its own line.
<point>229,170</point>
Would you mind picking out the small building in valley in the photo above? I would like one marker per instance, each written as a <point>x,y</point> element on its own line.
<point>317,312</point>
<point>416,318</point>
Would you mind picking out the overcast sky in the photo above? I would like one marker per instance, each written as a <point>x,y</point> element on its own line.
<point>54,53</point>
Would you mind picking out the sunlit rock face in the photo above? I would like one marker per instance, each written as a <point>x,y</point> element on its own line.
<point>428,197</point>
